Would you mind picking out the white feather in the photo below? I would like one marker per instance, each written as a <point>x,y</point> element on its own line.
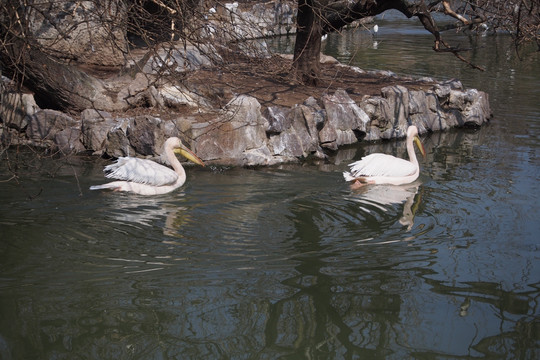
<point>141,171</point>
<point>381,165</point>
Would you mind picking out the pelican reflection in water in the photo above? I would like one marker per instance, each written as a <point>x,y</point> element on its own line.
<point>382,196</point>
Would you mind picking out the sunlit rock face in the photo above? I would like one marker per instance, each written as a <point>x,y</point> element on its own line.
<point>90,30</point>
<point>244,133</point>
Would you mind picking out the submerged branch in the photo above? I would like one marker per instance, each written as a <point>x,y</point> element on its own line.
<point>456,52</point>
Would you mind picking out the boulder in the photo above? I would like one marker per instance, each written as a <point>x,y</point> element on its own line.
<point>419,113</point>
<point>297,133</point>
<point>261,20</point>
<point>239,128</point>
<point>468,106</point>
<point>278,119</point>
<point>177,96</point>
<point>79,30</point>
<point>142,133</point>
<point>345,118</point>
<point>117,143</point>
<point>396,111</point>
<point>15,108</point>
<point>94,126</point>
<point>478,111</point>
<point>56,130</point>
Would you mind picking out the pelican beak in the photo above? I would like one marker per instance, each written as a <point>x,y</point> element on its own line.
<point>420,146</point>
<point>188,154</point>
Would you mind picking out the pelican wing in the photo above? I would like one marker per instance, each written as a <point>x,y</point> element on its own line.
<point>382,165</point>
<point>141,171</point>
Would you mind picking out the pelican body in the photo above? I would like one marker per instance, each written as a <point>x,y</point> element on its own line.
<point>146,177</point>
<point>387,169</point>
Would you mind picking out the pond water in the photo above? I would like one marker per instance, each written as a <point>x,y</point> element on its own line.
<point>288,262</point>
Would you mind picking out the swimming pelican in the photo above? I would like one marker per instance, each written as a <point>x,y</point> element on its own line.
<point>145,177</point>
<point>387,169</point>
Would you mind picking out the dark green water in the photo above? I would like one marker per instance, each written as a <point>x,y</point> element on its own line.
<point>288,262</point>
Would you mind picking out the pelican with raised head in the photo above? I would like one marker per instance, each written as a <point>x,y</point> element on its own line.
<point>387,169</point>
<point>146,177</point>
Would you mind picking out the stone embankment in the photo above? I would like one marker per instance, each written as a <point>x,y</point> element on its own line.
<point>245,133</point>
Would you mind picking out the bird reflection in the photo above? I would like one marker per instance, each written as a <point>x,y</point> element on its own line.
<point>381,196</point>
<point>147,211</point>
<point>464,307</point>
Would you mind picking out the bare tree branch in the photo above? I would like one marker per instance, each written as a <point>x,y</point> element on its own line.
<point>448,10</point>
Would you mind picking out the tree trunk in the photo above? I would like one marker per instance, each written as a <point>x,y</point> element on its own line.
<point>318,17</point>
<point>307,48</point>
<point>56,85</point>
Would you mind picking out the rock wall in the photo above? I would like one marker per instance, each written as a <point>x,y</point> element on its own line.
<point>245,134</point>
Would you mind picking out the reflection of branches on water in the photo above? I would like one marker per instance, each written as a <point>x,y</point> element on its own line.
<point>454,153</point>
<point>510,302</point>
<point>451,150</point>
<point>514,344</point>
<point>516,311</point>
<point>22,163</point>
<point>319,318</point>
<point>327,312</point>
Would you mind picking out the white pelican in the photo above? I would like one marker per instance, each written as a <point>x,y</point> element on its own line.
<point>145,177</point>
<point>387,169</point>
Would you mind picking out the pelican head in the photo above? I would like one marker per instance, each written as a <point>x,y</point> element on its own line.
<point>412,132</point>
<point>179,148</point>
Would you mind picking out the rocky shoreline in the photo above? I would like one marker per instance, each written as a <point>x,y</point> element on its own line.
<point>244,133</point>
<point>229,125</point>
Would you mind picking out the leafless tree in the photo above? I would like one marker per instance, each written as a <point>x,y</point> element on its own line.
<point>37,49</point>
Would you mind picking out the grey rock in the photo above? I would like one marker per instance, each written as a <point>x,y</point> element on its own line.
<point>346,117</point>
<point>278,119</point>
<point>240,127</point>
<point>15,109</point>
<point>117,143</point>
<point>243,133</point>
<point>56,130</point>
<point>80,30</point>
<point>95,126</point>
